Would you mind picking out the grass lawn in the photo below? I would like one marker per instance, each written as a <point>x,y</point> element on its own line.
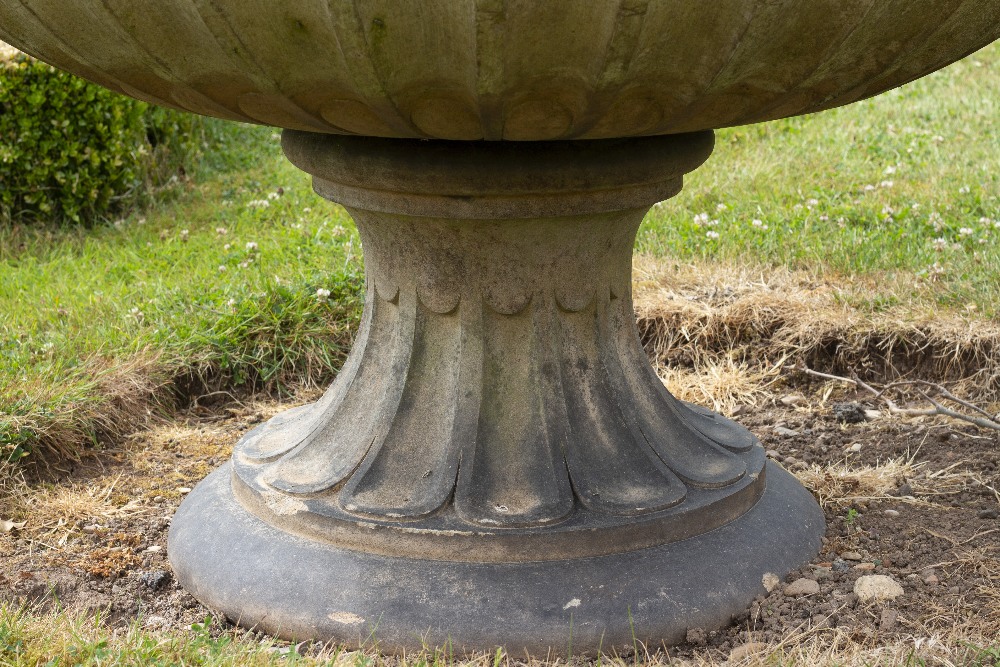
<point>904,187</point>
<point>220,289</point>
<point>215,290</point>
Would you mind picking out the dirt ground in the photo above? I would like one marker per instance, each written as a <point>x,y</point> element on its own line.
<point>915,500</point>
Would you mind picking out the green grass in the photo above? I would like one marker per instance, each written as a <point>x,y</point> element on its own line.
<point>32,639</point>
<point>98,326</point>
<point>866,189</point>
<point>58,639</point>
<point>217,288</point>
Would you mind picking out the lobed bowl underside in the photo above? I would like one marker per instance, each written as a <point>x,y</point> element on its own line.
<point>500,69</point>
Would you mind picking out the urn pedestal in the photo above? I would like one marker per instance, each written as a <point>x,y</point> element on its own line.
<point>497,464</point>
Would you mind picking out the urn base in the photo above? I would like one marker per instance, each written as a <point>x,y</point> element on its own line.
<point>261,577</point>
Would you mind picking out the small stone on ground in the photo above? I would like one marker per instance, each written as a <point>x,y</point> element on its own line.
<point>155,580</point>
<point>877,588</point>
<point>697,636</point>
<point>849,413</point>
<point>888,620</point>
<point>801,587</point>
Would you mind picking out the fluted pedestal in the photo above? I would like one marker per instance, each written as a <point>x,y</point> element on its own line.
<point>497,437</point>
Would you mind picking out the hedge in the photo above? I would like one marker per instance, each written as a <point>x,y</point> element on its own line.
<point>71,151</point>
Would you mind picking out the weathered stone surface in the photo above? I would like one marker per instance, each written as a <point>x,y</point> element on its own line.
<point>524,71</point>
<point>498,370</point>
<point>498,427</point>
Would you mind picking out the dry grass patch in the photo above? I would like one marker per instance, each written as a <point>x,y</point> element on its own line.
<point>53,513</point>
<point>695,316</point>
<point>124,396</point>
<point>848,483</point>
<point>723,384</point>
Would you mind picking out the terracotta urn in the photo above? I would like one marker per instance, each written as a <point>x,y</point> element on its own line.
<point>497,464</point>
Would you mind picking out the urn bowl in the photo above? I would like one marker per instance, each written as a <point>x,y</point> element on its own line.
<point>518,70</point>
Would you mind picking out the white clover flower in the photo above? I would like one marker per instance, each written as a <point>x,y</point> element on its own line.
<point>890,170</point>
<point>888,210</point>
<point>258,203</point>
<point>757,223</point>
<point>964,190</point>
<point>252,246</point>
<point>307,210</point>
<point>721,207</point>
<point>322,294</point>
<point>338,231</point>
<point>272,195</point>
<point>965,231</point>
<point>701,218</point>
<point>887,184</point>
<point>221,231</point>
<point>824,218</point>
<point>939,244</point>
<point>938,139</point>
<point>222,268</point>
<point>231,303</point>
<point>184,235</point>
<point>713,223</point>
<point>712,235</point>
<point>813,202</point>
<point>228,246</point>
<point>869,187</point>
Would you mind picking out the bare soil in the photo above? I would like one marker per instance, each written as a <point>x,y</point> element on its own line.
<point>916,500</point>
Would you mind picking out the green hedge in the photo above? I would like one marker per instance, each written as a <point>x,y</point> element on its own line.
<point>71,151</point>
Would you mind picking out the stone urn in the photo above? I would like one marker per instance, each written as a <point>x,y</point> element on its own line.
<point>497,464</point>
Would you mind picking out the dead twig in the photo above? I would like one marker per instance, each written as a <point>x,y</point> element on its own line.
<point>987,421</point>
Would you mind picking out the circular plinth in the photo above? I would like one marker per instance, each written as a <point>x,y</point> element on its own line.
<point>298,588</point>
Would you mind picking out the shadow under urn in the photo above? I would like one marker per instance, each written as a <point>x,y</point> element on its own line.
<point>497,464</point>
